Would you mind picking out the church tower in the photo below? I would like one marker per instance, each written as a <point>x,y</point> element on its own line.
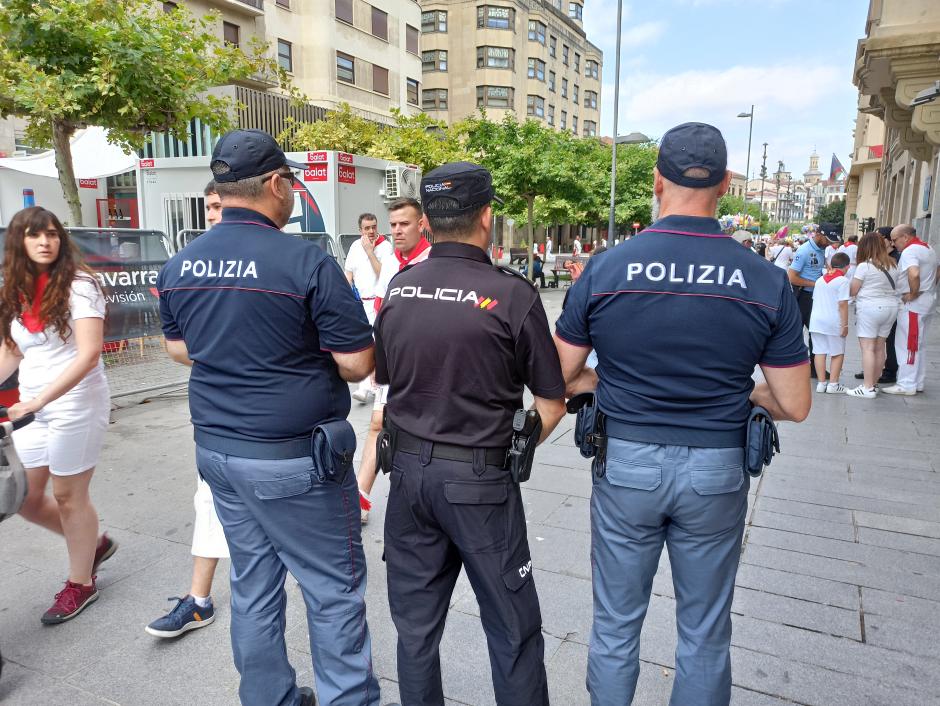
<point>813,175</point>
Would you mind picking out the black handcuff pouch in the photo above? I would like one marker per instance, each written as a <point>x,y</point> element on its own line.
<point>332,446</point>
<point>762,441</point>
<point>589,434</point>
<point>385,445</point>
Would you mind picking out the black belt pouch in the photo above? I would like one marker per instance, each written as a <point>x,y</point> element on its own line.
<point>332,446</point>
<point>762,441</point>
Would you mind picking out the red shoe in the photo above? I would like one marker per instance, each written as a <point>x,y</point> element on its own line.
<point>70,601</point>
<point>104,551</point>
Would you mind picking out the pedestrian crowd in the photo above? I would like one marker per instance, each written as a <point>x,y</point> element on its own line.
<point>444,343</point>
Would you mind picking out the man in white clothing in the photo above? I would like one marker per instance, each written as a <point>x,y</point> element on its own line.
<point>363,266</point>
<point>917,285</point>
<point>850,248</point>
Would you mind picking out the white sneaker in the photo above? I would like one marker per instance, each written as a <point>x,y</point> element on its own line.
<point>898,390</point>
<point>862,391</point>
<point>834,388</point>
<point>364,517</point>
<point>821,386</point>
<point>361,396</point>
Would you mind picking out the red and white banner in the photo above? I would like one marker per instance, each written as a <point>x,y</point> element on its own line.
<point>87,183</point>
<point>316,156</point>
<point>316,172</point>
<point>146,164</point>
<point>344,158</point>
<point>347,175</point>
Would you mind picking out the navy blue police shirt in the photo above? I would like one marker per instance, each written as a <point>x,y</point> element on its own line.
<point>679,316</point>
<point>260,312</point>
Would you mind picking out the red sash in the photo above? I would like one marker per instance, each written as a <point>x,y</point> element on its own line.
<point>31,320</point>
<point>913,337</point>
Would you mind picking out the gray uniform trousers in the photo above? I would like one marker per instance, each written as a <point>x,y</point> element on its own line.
<point>694,500</point>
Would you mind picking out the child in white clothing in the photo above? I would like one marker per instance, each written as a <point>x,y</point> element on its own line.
<point>829,323</point>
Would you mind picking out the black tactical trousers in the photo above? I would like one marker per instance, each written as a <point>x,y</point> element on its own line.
<point>804,300</point>
<point>443,515</point>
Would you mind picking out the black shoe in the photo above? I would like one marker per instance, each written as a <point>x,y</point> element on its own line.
<point>887,379</point>
<point>307,697</point>
<point>812,371</point>
<point>859,376</point>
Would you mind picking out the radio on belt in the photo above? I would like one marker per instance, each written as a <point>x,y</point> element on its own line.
<point>526,430</point>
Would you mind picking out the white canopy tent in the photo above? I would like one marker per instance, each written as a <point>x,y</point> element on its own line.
<point>93,157</point>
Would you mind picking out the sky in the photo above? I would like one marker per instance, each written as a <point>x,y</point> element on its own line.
<point>708,60</point>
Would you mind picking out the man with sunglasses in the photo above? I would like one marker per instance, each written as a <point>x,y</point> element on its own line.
<point>273,333</point>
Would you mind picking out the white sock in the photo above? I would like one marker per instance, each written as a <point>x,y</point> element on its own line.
<point>201,601</point>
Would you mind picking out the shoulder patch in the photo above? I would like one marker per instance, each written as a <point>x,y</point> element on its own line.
<point>506,270</point>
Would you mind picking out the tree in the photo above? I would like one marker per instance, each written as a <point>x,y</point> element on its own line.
<point>729,205</point>
<point>124,65</point>
<point>832,213</point>
<point>342,130</point>
<point>527,161</point>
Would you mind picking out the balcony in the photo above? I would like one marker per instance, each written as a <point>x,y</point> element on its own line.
<point>251,7</point>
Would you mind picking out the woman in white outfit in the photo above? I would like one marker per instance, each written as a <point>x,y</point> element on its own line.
<point>52,319</point>
<point>876,308</point>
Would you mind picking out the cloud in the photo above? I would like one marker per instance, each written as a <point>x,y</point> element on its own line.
<point>641,34</point>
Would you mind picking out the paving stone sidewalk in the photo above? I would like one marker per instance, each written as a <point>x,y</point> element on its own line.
<point>838,598</point>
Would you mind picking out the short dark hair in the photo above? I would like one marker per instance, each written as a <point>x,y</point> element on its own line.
<point>885,231</point>
<point>399,204</point>
<point>852,238</point>
<point>840,260</point>
<point>459,227</point>
<point>210,188</point>
<point>367,217</point>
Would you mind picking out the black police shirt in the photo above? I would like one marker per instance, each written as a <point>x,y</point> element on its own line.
<point>260,312</point>
<point>457,339</point>
<point>679,316</point>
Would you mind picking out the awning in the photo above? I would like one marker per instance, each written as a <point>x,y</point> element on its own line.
<point>93,157</point>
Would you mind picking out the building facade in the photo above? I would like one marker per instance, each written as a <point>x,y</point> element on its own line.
<point>861,205</point>
<point>898,58</point>
<point>530,57</point>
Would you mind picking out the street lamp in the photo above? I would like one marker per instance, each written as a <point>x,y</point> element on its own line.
<point>634,138</point>
<point>747,172</point>
<point>613,147</point>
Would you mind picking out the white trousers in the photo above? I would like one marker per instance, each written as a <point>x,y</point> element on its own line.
<point>368,306</point>
<point>912,364</point>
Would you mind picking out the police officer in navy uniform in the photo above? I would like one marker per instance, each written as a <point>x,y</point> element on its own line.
<point>273,333</point>
<point>679,316</point>
<point>457,340</point>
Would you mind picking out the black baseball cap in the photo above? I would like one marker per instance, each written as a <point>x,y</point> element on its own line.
<point>456,188</point>
<point>243,154</point>
<point>693,145</point>
<point>832,231</point>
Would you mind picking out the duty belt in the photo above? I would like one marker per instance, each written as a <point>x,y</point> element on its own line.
<point>447,452</point>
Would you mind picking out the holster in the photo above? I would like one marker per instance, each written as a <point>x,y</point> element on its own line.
<point>385,445</point>
<point>762,441</point>
<point>589,433</point>
<point>332,446</point>
<point>526,428</point>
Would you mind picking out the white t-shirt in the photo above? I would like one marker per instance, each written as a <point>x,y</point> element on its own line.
<point>850,249</point>
<point>925,258</point>
<point>876,289</point>
<point>548,247</point>
<point>830,251</point>
<point>46,355</point>
<point>390,267</point>
<point>825,316</point>
<point>576,248</point>
<point>359,265</point>
<point>781,256</point>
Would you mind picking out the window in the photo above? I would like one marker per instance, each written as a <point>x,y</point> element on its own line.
<point>412,92</point>
<point>575,10</point>
<point>435,60</point>
<point>230,33</point>
<point>496,58</point>
<point>551,115</point>
<point>285,55</point>
<point>283,3</point>
<point>574,124</point>
<point>344,10</point>
<point>411,41</point>
<point>591,68</point>
<point>574,95</point>
<point>535,105</point>
<point>434,99</point>
<point>577,62</point>
<point>434,21</point>
<point>379,23</point>
<point>494,96</point>
<point>551,81</point>
<point>345,68</point>
<point>564,54</point>
<point>590,128</point>
<point>552,46</point>
<point>590,99</point>
<point>380,79</point>
<point>169,6</point>
<point>564,88</point>
<point>537,69</point>
<point>564,120</point>
<point>536,31</point>
<point>493,17</point>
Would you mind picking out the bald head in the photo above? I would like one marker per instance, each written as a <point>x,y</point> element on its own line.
<point>903,235</point>
<point>687,201</point>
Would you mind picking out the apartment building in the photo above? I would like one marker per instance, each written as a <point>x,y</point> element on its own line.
<point>362,53</point>
<point>861,202</point>
<point>530,57</point>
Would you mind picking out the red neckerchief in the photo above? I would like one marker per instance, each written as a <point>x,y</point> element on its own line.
<point>31,320</point>
<point>918,241</point>
<point>378,241</point>
<point>403,261</point>
<point>833,275</point>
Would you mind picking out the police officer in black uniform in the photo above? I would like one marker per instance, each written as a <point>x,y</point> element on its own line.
<point>457,339</point>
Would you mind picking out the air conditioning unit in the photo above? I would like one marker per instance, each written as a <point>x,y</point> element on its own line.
<point>401,182</point>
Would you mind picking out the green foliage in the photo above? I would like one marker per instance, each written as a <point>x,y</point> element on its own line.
<point>342,130</point>
<point>832,213</point>
<point>729,205</point>
<point>123,65</point>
